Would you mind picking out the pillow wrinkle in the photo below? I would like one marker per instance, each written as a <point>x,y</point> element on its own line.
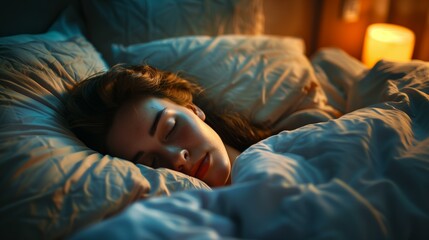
<point>262,77</point>
<point>53,183</point>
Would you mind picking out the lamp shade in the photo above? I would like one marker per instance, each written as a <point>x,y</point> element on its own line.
<point>387,41</point>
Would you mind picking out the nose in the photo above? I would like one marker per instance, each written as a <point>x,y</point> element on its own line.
<point>179,159</point>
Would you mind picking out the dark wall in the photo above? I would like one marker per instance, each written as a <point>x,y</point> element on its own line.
<point>413,14</point>
<point>28,16</point>
<point>319,22</point>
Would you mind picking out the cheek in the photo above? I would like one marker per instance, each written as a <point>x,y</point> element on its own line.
<point>193,131</point>
<point>189,135</point>
<point>219,172</point>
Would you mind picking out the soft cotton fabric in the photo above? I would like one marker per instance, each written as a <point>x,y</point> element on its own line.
<point>266,78</point>
<point>362,176</point>
<point>52,184</point>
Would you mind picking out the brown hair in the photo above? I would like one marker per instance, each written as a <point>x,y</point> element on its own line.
<point>93,103</point>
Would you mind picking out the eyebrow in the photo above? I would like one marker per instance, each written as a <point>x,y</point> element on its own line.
<point>151,132</point>
<point>152,129</point>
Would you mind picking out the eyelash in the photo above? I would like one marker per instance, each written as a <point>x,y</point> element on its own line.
<point>154,159</point>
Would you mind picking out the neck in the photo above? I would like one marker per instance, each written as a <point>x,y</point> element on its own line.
<point>232,155</point>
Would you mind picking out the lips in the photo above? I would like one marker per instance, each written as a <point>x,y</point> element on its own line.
<point>203,167</point>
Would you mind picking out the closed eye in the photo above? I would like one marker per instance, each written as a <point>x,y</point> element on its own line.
<point>172,125</point>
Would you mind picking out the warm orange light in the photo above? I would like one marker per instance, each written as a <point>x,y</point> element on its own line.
<point>387,41</point>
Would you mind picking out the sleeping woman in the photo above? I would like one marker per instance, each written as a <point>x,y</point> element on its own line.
<point>159,119</point>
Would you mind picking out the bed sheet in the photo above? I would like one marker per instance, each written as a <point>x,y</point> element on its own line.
<point>52,184</point>
<point>361,176</point>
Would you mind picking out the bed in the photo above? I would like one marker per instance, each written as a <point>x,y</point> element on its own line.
<point>351,160</point>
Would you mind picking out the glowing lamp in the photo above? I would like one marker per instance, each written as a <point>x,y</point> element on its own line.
<point>387,41</point>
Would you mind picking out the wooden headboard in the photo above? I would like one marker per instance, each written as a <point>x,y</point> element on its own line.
<point>283,17</point>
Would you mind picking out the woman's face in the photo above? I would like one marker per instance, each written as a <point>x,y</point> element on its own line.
<point>162,134</point>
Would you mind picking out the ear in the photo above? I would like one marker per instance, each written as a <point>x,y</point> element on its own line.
<point>198,111</point>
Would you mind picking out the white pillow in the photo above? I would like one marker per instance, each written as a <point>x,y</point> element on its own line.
<point>52,184</point>
<point>264,77</point>
<point>135,21</point>
<point>338,73</point>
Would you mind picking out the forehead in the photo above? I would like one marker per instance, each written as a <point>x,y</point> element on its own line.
<point>139,109</point>
<point>131,124</point>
